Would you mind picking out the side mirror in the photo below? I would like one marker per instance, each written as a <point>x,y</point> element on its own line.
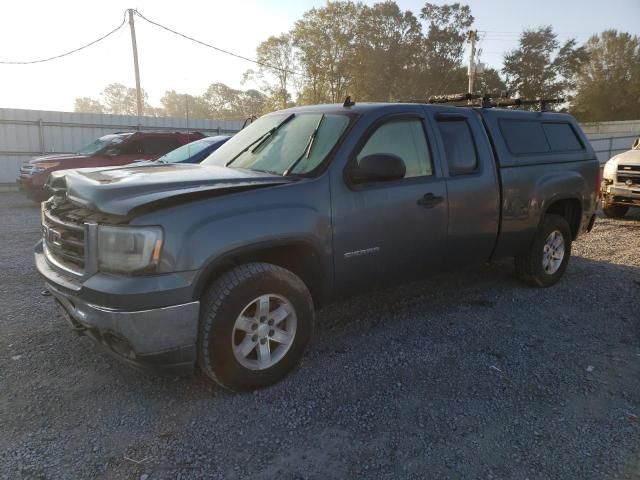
<point>378,168</point>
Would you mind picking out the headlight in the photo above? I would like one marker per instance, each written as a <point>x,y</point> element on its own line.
<point>128,249</point>
<point>610,169</point>
<point>42,166</point>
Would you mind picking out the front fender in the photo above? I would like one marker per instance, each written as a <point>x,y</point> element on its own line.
<point>255,229</point>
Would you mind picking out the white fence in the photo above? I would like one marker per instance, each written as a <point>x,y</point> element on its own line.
<point>610,138</point>
<point>29,133</point>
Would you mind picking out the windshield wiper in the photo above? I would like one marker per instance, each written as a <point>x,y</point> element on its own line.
<point>307,149</point>
<point>261,140</point>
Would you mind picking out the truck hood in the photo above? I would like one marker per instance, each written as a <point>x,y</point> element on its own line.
<point>56,158</point>
<point>630,157</point>
<point>119,191</point>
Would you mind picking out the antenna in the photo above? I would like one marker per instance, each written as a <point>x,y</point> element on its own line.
<point>348,102</point>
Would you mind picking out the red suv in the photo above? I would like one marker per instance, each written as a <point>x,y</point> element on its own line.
<point>106,151</point>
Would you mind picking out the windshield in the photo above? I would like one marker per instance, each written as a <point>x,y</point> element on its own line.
<point>102,142</point>
<point>303,141</point>
<point>185,152</point>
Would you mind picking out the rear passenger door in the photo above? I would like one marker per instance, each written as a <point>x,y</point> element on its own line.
<point>389,231</point>
<point>472,185</point>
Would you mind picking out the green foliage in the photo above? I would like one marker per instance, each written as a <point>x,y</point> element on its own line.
<point>176,104</point>
<point>609,82</point>
<point>386,52</point>
<point>444,44</point>
<point>490,82</point>
<point>541,67</point>
<point>325,38</point>
<point>218,102</point>
<point>228,103</point>
<point>379,52</point>
<point>88,105</point>
<point>121,100</point>
<point>277,62</point>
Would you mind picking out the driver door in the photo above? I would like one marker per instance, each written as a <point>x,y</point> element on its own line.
<point>389,232</point>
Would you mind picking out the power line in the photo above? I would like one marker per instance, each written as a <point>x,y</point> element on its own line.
<point>221,50</point>
<point>55,57</point>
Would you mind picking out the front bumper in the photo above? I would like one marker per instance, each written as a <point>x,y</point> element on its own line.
<point>159,338</point>
<point>613,194</point>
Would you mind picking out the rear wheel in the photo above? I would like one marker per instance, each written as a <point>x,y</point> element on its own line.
<point>615,211</point>
<point>547,258</point>
<point>255,323</point>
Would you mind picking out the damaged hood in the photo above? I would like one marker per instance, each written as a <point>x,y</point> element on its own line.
<point>118,191</point>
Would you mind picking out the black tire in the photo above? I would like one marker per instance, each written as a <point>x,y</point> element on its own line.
<point>529,265</point>
<point>225,300</point>
<point>615,211</point>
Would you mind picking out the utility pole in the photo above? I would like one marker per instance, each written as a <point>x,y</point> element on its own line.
<point>186,107</point>
<point>134,45</point>
<point>472,38</point>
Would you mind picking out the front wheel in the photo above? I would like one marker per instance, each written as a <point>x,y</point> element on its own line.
<point>547,258</point>
<point>255,323</point>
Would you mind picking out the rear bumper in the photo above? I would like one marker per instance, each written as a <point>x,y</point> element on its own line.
<point>133,327</point>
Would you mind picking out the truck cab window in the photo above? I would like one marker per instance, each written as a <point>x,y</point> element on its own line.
<point>404,138</point>
<point>459,147</point>
<point>561,137</point>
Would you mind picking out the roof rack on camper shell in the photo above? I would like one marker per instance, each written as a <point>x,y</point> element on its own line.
<point>488,101</point>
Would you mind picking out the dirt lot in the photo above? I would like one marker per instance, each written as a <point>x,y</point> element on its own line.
<point>468,375</point>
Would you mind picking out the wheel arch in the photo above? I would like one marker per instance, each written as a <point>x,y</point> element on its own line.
<point>299,256</point>
<point>570,208</point>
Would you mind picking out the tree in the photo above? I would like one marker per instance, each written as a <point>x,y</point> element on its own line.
<point>116,99</point>
<point>608,85</point>
<point>119,99</point>
<point>277,58</point>
<point>252,103</point>
<point>88,105</point>
<point>490,82</point>
<point>325,38</point>
<point>228,103</point>
<point>540,67</point>
<point>181,105</point>
<point>444,44</point>
<point>386,53</point>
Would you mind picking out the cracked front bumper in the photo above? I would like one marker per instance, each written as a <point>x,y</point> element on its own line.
<point>160,338</point>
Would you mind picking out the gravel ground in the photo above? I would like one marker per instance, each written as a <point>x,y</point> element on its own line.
<point>468,375</point>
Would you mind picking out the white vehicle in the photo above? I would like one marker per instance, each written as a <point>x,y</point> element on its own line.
<point>621,182</point>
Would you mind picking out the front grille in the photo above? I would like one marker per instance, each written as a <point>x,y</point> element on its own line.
<point>629,174</point>
<point>629,168</point>
<point>64,235</point>
<point>26,171</point>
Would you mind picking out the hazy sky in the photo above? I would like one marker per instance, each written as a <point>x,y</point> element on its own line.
<point>31,29</point>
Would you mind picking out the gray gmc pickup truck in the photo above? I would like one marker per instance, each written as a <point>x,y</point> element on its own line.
<point>223,264</point>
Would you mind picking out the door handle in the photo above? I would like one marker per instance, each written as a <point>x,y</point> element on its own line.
<point>429,200</point>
